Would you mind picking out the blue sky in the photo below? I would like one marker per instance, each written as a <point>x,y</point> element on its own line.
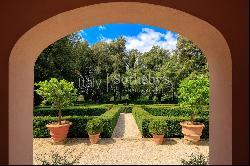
<point>139,36</point>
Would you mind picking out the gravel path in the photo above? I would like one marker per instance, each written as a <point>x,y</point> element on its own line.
<point>126,127</point>
<point>118,151</point>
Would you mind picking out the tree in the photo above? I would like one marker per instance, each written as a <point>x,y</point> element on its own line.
<point>132,59</point>
<point>60,93</point>
<point>59,60</point>
<point>194,91</point>
<point>190,57</point>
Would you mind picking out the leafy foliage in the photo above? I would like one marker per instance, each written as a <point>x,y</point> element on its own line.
<point>78,127</point>
<point>94,126</point>
<point>167,110</point>
<point>143,119</point>
<point>125,109</point>
<point>198,159</point>
<point>158,127</point>
<point>72,111</point>
<point>106,72</point>
<point>56,159</point>
<point>109,120</point>
<point>59,93</point>
<point>76,130</point>
<point>194,92</point>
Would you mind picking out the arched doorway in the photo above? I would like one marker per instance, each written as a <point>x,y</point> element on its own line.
<point>30,45</point>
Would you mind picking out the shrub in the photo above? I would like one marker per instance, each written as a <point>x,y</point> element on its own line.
<point>56,159</point>
<point>174,111</point>
<point>78,127</point>
<point>76,130</point>
<point>193,92</point>
<point>125,109</point>
<point>157,127</point>
<point>72,111</point>
<point>198,159</point>
<point>94,126</point>
<point>143,119</point>
<point>109,120</point>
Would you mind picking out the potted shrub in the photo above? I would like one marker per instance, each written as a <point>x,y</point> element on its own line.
<point>193,93</point>
<point>94,128</point>
<point>158,127</point>
<point>60,94</point>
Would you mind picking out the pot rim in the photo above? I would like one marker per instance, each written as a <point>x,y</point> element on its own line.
<point>184,123</point>
<point>55,124</point>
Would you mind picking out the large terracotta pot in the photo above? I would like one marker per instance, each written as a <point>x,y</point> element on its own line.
<point>59,132</point>
<point>192,132</point>
<point>94,138</point>
<point>158,139</point>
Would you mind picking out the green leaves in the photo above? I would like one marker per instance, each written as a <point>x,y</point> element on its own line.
<point>173,130</point>
<point>158,126</point>
<point>194,91</point>
<point>94,126</point>
<point>60,93</point>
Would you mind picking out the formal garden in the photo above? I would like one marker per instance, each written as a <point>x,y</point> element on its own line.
<point>105,104</point>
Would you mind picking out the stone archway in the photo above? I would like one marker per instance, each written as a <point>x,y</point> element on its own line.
<point>31,44</point>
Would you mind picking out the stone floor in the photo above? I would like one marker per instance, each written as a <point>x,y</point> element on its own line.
<point>126,146</point>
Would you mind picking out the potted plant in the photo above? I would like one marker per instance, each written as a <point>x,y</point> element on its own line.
<point>158,127</point>
<point>193,93</point>
<point>60,94</point>
<point>94,128</point>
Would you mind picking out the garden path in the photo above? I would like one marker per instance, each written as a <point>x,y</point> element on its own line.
<point>126,127</point>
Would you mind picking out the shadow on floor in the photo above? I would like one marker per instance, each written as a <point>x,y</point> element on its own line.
<point>119,130</point>
<point>169,141</point>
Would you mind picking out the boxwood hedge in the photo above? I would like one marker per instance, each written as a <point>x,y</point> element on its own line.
<point>166,110</point>
<point>72,111</point>
<point>77,129</point>
<point>125,109</point>
<point>143,119</point>
<point>109,119</point>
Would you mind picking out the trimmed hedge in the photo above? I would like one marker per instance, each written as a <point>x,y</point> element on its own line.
<point>72,111</point>
<point>125,109</point>
<point>78,127</point>
<point>143,119</point>
<point>173,111</point>
<point>109,119</point>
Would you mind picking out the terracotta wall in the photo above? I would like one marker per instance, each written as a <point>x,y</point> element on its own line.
<point>229,17</point>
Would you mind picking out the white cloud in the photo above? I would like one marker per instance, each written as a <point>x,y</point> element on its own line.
<point>148,38</point>
<point>104,39</point>
<point>101,28</point>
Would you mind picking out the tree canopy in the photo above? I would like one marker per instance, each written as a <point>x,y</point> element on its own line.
<point>108,72</point>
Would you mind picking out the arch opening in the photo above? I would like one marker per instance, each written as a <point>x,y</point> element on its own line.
<point>212,43</point>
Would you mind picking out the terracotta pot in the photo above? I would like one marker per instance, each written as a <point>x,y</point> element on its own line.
<point>94,138</point>
<point>158,139</point>
<point>59,132</point>
<point>192,132</point>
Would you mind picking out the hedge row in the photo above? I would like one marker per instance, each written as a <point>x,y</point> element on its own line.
<point>77,129</point>
<point>109,119</point>
<point>72,111</point>
<point>143,119</point>
<point>125,109</point>
<point>173,111</point>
